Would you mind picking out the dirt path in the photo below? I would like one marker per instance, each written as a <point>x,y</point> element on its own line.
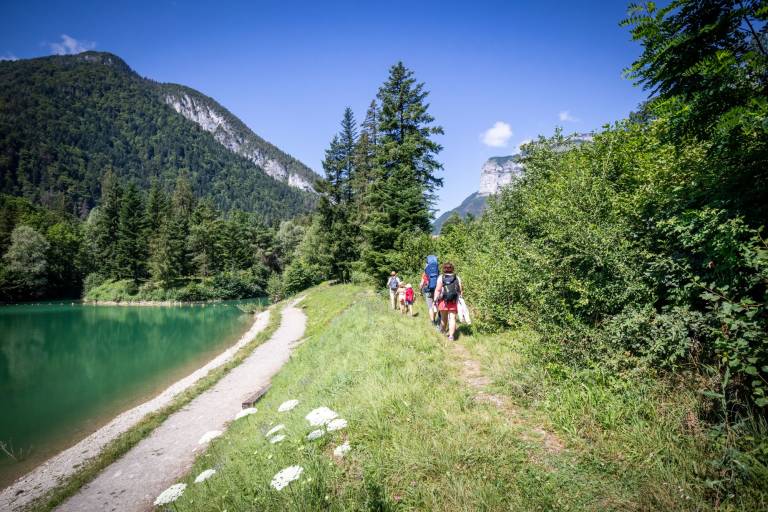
<point>472,374</point>
<point>133,482</point>
<point>47,475</point>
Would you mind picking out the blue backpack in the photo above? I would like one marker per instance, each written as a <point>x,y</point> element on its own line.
<point>432,271</point>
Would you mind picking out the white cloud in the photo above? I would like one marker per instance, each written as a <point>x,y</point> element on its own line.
<point>70,46</point>
<point>566,117</point>
<point>8,56</point>
<point>498,135</point>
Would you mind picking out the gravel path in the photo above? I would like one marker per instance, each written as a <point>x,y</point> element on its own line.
<point>133,482</point>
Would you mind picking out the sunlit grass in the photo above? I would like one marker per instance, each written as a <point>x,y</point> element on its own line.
<point>419,441</point>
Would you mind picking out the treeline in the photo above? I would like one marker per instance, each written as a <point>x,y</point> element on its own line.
<point>646,250</point>
<point>140,246</point>
<point>378,192</point>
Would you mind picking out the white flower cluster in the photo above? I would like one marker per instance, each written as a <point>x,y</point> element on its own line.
<point>287,405</point>
<point>171,494</point>
<point>205,475</point>
<point>245,412</point>
<point>286,476</point>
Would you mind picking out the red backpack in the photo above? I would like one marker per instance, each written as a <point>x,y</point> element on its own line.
<point>409,294</point>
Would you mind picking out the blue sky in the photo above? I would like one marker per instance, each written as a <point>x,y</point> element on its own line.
<point>288,69</point>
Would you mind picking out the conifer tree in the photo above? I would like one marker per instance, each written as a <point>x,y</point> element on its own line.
<point>107,225</point>
<point>131,248</point>
<point>336,203</point>
<point>400,193</point>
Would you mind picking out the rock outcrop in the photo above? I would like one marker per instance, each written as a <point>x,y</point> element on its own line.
<point>237,137</point>
<point>498,172</point>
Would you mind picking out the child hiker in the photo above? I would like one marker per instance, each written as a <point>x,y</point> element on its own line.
<point>409,295</point>
<point>401,297</point>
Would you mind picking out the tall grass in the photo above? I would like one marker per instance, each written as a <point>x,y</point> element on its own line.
<point>420,442</point>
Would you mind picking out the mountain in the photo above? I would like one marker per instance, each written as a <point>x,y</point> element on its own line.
<point>237,137</point>
<point>498,172</point>
<point>64,120</point>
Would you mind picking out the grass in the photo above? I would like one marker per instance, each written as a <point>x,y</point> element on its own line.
<point>421,442</point>
<point>118,447</point>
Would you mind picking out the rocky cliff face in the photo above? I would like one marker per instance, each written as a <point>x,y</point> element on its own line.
<point>236,137</point>
<point>498,172</point>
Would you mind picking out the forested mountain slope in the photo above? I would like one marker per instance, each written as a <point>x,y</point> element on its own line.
<point>65,119</point>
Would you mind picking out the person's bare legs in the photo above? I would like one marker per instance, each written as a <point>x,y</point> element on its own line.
<point>451,324</point>
<point>443,321</point>
<point>410,309</point>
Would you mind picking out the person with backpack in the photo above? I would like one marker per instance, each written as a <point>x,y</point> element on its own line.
<point>392,285</point>
<point>428,284</point>
<point>447,293</point>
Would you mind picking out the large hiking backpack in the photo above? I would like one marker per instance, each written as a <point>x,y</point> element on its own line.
<point>450,288</point>
<point>432,272</point>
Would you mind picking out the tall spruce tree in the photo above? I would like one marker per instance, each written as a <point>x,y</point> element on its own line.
<point>107,225</point>
<point>131,248</point>
<point>170,259</point>
<point>401,191</point>
<point>336,203</point>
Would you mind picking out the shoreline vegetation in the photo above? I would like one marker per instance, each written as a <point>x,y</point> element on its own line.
<point>181,393</point>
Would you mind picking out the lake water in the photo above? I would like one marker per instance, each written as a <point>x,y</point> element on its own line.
<point>66,370</point>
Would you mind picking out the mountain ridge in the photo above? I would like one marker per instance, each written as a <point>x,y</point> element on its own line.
<point>65,119</point>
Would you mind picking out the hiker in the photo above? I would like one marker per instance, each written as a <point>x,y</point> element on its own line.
<point>401,297</point>
<point>447,293</point>
<point>428,284</point>
<point>409,298</point>
<point>392,285</point>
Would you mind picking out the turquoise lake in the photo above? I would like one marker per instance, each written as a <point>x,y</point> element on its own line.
<point>67,369</point>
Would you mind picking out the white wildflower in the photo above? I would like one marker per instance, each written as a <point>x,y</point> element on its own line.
<point>287,405</point>
<point>208,436</point>
<point>276,428</point>
<point>245,412</point>
<point>337,424</point>
<point>286,476</point>
<point>320,416</point>
<point>342,449</point>
<point>316,434</point>
<point>205,475</point>
<point>277,438</point>
<point>171,494</point>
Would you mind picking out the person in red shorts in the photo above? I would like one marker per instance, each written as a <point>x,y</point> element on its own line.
<point>447,292</point>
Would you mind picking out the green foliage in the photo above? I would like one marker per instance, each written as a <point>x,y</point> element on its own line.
<point>26,265</point>
<point>65,119</point>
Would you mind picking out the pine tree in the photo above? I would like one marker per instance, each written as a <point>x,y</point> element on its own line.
<point>157,207</point>
<point>400,192</point>
<point>204,243</point>
<point>336,204</point>
<point>170,259</point>
<point>131,248</point>
<point>107,225</point>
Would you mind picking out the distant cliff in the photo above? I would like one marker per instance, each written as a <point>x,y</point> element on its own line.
<point>499,171</point>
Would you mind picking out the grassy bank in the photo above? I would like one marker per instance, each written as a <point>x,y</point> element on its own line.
<point>420,438</point>
<point>122,444</point>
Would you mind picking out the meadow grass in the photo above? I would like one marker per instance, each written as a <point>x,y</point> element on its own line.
<point>419,441</point>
